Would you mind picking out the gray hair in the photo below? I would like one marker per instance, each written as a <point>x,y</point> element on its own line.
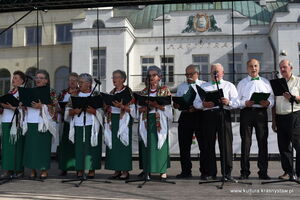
<point>215,65</point>
<point>286,60</point>
<point>154,68</point>
<point>45,73</point>
<point>87,77</point>
<point>122,73</point>
<point>196,68</point>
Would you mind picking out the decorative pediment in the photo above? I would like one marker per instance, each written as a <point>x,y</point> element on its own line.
<point>201,23</point>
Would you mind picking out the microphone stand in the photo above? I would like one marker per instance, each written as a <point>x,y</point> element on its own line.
<point>293,178</point>
<point>146,172</point>
<point>223,180</point>
<point>84,177</point>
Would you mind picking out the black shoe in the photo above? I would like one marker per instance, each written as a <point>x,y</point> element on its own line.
<point>63,173</point>
<point>243,177</point>
<point>206,178</point>
<point>183,175</point>
<point>264,177</point>
<point>293,178</point>
<point>229,178</point>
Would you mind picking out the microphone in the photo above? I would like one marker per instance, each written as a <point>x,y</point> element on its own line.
<point>97,81</point>
<point>215,73</point>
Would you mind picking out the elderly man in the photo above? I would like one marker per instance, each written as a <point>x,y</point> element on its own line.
<point>254,115</point>
<point>286,120</point>
<point>216,119</point>
<point>189,124</point>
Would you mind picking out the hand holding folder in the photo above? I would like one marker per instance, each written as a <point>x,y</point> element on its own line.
<point>257,97</point>
<point>84,102</point>
<point>161,100</point>
<point>38,94</point>
<point>9,99</point>
<point>125,97</point>
<point>185,101</point>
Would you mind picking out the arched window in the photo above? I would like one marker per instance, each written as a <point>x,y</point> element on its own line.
<point>31,73</point>
<point>4,81</point>
<point>61,78</point>
<point>100,24</point>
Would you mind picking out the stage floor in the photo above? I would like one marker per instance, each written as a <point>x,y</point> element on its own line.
<point>52,188</point>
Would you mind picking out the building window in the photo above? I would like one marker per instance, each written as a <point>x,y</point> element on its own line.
<point>99,71</point>
<point>202,62</point>
<point>235,68</point>
<point>33,35</point>
<point>146,62</point>
<point>167,69</point>
<point>4,81</point>
<point>61,80</point>
<point>31,73</point>
<point>6,38</point>
<point>63,33</point>
<point>100,24</point>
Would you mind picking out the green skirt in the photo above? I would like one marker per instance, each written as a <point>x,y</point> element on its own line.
<point>119,158</point>
<point>154,160</point>
<point>66,150</point>
<point>37,151</point>
<point>92,156</point>
<point>12,154</point>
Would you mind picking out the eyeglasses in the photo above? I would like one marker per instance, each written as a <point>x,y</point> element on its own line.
<point>39,78</point>
<point>190,74</point>
<point>152,75</point>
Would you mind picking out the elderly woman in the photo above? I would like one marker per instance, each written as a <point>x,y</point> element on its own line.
<point>155,145</point>
<point>118,130</point>
<point>66,154</point>
<point>12,138</point>
<point>85,135</point>
<point>41,129</point>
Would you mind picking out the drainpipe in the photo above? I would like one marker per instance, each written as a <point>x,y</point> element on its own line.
<point>127,57</point>
<point>274,52</point>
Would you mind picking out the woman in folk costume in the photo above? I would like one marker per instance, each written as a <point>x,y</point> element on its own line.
<point>85,136</point>
<point>118,130</point>
<point>39,127</point>
<point>66,149</point>
<point>155,145</point>
<point>12,138</point>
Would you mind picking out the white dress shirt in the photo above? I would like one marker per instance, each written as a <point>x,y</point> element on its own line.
<point>283,106</point>
<point>184,87</point>
<point>247,87</point>
<point>229,91</point>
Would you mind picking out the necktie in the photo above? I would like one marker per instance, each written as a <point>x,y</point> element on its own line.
<point>215,82</point>
<point>253,79</point>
